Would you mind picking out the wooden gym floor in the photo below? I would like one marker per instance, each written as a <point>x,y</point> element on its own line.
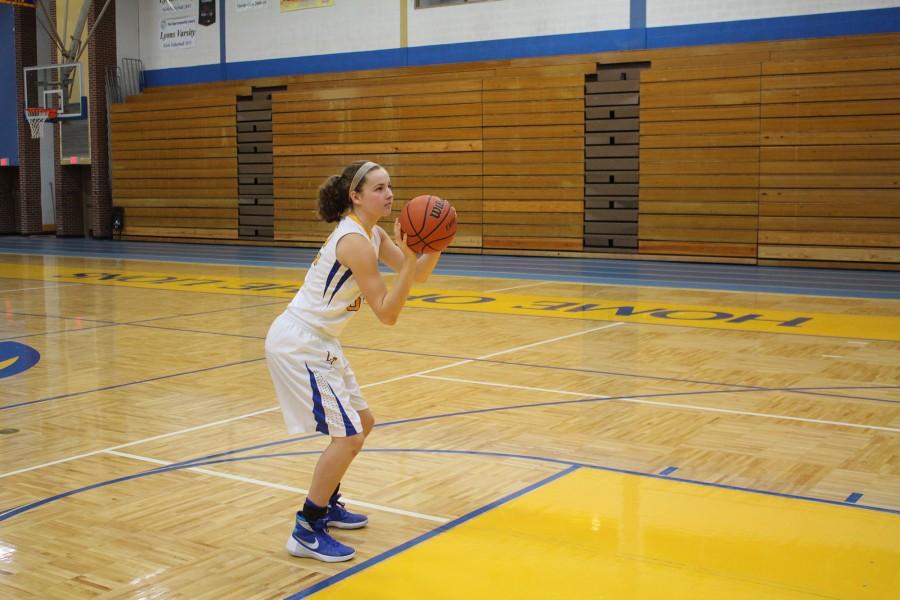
<point>546,429</point>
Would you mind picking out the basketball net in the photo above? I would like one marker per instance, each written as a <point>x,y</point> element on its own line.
<point>37,117</point>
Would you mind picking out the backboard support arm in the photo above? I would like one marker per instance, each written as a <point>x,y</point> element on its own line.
<point>73,50</point>
<point>94,28</point>
<point>50,27</point>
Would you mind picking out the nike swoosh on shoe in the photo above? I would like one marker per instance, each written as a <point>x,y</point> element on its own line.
<point>312,546</point>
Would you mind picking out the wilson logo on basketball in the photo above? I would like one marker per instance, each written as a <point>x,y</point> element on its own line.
<point>429,223</point>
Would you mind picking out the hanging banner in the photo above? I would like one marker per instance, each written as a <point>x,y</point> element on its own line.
<point>177,33</point>
<point>289,5</point>
<point>242,5</point>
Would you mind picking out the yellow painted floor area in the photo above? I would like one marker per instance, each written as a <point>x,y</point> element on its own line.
<point>606,535</point>
<point>706,316</point>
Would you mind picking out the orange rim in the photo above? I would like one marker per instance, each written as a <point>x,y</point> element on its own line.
<point>39,110</point>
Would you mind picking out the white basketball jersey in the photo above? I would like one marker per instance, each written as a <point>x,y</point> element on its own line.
<point>330,295</point>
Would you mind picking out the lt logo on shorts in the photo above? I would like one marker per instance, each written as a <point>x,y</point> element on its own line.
<point>330,359</point>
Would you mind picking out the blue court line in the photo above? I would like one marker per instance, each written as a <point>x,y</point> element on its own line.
<point>303,438</point>
<point>206,312</point>
<point>163,328</point>
<point>429,355</point>
<point>814,391</point>
<point>418,354</point>
<point>58,331</point>
<point>140,322</point>
<point>668,470</point>
<point>428,535</point>
<point>742,388</point>
<point>198,461</point>
<point>128,383</point>
<point>853,498</point>
<point>63,318</point>
<point>174,316</point>
<point>809,391</point>
<point>443,416</point>
<point>9,513</point>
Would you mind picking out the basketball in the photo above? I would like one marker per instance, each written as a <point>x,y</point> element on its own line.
<point>429,223</point>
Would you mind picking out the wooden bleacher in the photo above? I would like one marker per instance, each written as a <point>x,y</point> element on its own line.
<point>830,160</point>
<point>768,153</point>
<point>174,166</point>
<point>428,136</point>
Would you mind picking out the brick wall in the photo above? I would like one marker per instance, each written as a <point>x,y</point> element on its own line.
<point>69,198</point>
<point>102,51</point>
<point>9,199</point>
<point>28,203</point>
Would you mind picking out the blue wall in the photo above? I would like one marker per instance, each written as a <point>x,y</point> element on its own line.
<point>9,140</point>
<point>639,36</point>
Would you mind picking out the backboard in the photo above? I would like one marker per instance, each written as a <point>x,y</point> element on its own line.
<point>60,87</point>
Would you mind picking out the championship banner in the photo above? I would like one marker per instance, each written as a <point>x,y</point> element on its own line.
<point>289,5</point>
<point>28,3</point>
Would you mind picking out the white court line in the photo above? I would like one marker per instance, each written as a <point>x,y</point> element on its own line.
<point>671,404</point>
<point>39,287</point>
<point>511,386</point>
<point>518,287</point>
<point>484,356</point>
<point>286,488</point>
<point>274,408</point>
<point>149,439</point>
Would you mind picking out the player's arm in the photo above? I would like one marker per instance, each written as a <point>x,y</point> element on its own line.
<point>354,251</point>
<point>391,255</point>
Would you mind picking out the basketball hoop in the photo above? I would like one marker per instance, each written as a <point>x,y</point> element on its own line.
<point>37,116</point>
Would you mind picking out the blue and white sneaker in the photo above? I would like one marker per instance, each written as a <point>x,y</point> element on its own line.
<point>312,540</point>
<point>340,517</point>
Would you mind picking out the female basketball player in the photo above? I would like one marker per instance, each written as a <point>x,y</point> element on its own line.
<point>313,381</point>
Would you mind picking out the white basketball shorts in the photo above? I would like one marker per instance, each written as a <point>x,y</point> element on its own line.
<point>314,383</point>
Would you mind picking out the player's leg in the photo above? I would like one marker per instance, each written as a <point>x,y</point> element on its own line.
<point>338,515</point>
<point>312,397</point>
<point>310,536</point>
<point>331,467</point>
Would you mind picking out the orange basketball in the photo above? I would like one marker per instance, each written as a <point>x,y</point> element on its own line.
<point>429,223</point>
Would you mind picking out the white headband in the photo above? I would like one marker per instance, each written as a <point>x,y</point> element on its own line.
<point>360,173</point>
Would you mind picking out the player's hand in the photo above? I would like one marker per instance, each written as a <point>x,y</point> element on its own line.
<point>400,238</point>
